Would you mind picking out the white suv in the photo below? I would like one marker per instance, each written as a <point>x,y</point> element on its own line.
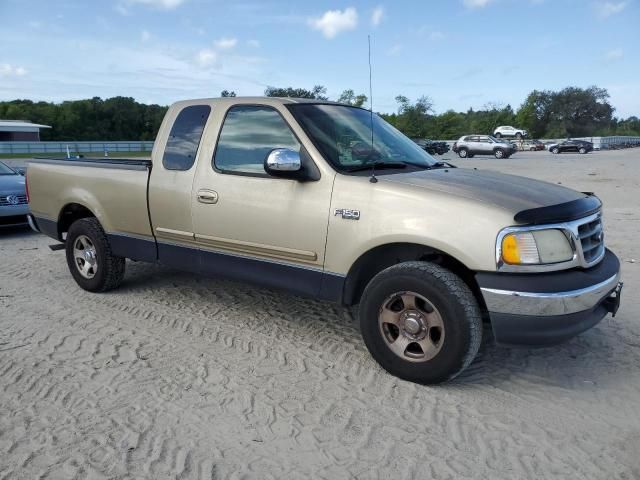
<point>506,131</point>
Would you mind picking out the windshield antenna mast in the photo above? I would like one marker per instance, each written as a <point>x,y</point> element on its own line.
<point>373,178</point>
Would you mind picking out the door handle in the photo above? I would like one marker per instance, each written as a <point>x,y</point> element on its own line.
<point>207,196</point>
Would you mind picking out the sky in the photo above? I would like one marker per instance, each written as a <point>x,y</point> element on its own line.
<point>461,53</point>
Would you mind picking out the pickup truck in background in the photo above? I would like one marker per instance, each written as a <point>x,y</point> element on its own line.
<point>300,195</point>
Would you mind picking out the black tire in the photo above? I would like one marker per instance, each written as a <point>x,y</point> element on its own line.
<point>555,150</point>
<point>110,269</point>
<point>498,135</point>
<point>499,153</point>
<point>455,304</point>
<point>463,153</point>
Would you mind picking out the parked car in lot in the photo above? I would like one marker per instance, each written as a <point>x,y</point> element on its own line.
<point>13,197</point>
<point>535,145</point>
<point>471,145</point>
<point>283,193</point>
<point>579,146</point>
<point>508,131</point>
<point>432,147</point>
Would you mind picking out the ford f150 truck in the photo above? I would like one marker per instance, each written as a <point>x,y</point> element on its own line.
<point>330,201</point>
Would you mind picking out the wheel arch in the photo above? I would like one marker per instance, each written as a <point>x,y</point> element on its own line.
<point>70,213</point>
<point>373,261</point>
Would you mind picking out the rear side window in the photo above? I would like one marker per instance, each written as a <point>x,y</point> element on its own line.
<point>248,134</point>
<point>184,138</point>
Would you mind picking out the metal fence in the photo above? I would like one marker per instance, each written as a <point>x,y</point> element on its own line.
<point>39,148</point>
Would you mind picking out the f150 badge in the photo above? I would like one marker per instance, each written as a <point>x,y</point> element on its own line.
<point>347,213</point>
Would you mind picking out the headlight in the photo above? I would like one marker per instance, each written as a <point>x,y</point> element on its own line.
<point>535,247</point>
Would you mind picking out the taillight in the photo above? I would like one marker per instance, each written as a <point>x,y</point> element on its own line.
<point>26,186</point>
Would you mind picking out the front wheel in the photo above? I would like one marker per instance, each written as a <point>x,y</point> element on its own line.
<point>420,322</point>
<point>499,153</point>
<point>91,263</point>
<point>497,135</point>
<point>555,150</point>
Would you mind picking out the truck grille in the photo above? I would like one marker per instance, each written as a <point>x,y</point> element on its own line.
<point>10,200</point>
<point>591,237</point>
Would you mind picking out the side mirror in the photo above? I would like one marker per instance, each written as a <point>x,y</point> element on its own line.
<point>287,163</point>
<point>281,160</point>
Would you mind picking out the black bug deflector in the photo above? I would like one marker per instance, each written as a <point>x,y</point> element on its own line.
<point>563,212</point>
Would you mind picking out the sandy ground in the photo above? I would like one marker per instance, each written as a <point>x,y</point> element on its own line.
<point>176,376</point>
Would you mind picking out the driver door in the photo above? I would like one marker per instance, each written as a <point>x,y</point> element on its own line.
<point>253,226</point>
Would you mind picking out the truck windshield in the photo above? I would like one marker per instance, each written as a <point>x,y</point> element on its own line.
<point>343,135</point>
<point>4,170</point>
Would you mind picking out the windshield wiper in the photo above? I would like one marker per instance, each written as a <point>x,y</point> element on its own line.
<point>441,165</point>
<point>377,166</point>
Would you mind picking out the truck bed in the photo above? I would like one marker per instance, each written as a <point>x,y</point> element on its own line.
<point>114,190</point>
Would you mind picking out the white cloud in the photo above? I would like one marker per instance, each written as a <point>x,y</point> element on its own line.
<point>226,43</point>
<point>607,9</point>
<point>166,4</point>
<point>377,15</point>
<point>615,54</point>
<point>121,7</point>
<point>7,70</point>
<point>253,43</point>
<point>145,36</point>
<point>476,3</point>
<point>333,22</point>
<point>206,57</point>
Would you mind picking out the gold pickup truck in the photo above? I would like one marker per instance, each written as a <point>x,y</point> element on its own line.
<point>329,201</point>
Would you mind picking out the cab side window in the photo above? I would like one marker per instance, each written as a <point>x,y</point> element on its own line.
<point>248,134</point>
<point>184,138</point>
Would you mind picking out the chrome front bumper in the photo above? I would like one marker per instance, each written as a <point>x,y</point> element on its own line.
<point>547,308</point>
<point>549,303</point>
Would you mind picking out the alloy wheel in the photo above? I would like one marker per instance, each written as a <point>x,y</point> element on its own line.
<point>411,326</point>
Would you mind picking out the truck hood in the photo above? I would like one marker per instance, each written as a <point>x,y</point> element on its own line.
<point>509,192</point>
<point>12,184</point>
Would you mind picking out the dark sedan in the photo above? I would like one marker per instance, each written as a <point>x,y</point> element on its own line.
<point>431,146</point>
<point>578,146</point>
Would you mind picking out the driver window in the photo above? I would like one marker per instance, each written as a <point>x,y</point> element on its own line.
<point>248,134</point>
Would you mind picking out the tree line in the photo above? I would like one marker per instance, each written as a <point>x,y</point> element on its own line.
<point>571,112</point>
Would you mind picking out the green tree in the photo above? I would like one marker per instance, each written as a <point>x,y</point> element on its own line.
<point>318,92</point>
<point>350,98</point>
<point>227,93</point>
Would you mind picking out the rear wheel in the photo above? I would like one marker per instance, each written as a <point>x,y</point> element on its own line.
<point>497,135</point>
<point>89,257</point>
<point>463,153</point>
<point>420,322</point>
<point>582,150</point>
<point>555,150</point>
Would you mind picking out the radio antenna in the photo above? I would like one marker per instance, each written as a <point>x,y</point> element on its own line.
<point>373,178</point>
